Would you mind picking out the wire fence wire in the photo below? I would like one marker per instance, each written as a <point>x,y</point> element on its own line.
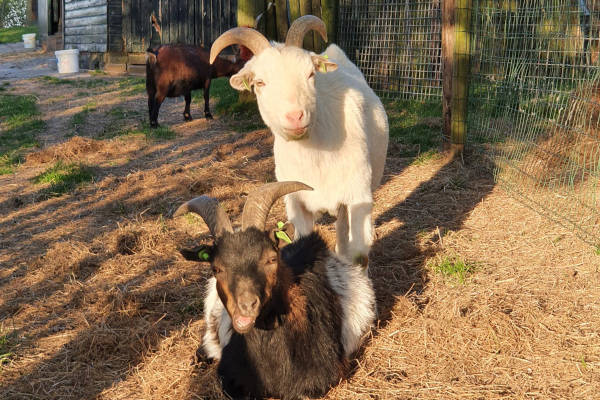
<point>397,45</point>
<point>535,96</point>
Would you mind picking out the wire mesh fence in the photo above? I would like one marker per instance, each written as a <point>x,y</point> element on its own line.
<point>535,95</point>
<point>397,45</point>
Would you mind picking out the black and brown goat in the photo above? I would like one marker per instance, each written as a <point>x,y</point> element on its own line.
<point>176,70</point>
<point>282,321</point>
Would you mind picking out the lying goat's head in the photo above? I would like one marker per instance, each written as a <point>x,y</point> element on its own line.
<point>283,76</point>
<point>246,262</point>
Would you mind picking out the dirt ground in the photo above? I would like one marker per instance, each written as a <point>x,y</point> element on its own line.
<point>97,303</point>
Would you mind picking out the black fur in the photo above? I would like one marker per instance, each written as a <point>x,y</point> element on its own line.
<point>275,358</point>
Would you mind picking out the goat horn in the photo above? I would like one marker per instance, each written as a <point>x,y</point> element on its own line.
<point>301,27</point>
<point>260,201</point>
<point>211,212</point>
<point>252,39</point>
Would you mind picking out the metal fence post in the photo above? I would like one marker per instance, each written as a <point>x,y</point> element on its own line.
<point>456,48</point>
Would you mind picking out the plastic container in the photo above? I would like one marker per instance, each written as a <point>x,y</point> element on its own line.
<point>67,61</point>
<point>29,40</point>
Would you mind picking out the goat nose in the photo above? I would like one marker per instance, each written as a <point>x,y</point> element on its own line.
<point>294,116</point>
<point>248,304</point>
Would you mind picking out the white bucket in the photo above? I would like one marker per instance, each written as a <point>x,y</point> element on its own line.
<point>67,60</point>
<point>29,40</point>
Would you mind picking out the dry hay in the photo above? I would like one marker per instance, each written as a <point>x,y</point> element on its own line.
<point>99,304</point>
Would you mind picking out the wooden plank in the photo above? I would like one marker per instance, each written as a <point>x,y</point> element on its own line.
<point>329,15</point>
<point>91,47</point>
<point>86,21</point>
<point>86,30</point>
<point>173,16</point>
<point>306,9</point>
<point>83,4</point>
<point>319,44</point>
<point>206,39</point>
<point>86,12</point>
<point>281,19</point>
<point>100,39</point>
<point>126,18</point>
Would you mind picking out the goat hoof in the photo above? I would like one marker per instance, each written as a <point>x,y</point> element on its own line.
<point>187,117</point>
<point>208,115</point>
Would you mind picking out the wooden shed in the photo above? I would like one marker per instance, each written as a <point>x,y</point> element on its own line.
<point>117,33</point>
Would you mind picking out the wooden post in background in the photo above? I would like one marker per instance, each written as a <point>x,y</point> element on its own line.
<point>281,18</point>
<point>456,51</point>
<point>247,11</point>
<point>329,15</point>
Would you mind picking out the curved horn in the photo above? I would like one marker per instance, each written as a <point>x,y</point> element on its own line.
<point>252,39</point>
<point>211,212</point>
<point>260,201</point>
<point>301,27</point>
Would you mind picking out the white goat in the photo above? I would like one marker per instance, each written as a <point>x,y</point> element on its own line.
<point>331,130</point>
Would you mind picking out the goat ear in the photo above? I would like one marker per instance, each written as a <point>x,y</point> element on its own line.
<point>202,253</point>
<point>242,80</point>
<point>323,64</point>
<point>282,234</point>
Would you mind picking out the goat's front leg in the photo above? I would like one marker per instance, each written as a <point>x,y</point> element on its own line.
<point>299,216</point>
<point>186,112</point>
<point>361,233</point>
<point>207,113</point>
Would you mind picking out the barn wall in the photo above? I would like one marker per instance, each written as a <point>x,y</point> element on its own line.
<point>86,26</point>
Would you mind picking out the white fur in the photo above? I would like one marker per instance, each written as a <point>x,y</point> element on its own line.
<point>343,153</point>
<point>357,299</point>
<point>218,323</point>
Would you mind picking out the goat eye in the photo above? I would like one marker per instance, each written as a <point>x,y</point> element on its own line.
<point>259,83</point>
<point>312,75</point>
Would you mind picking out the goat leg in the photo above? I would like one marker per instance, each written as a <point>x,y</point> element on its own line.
<point>207,113</point>
<point>186,112</point>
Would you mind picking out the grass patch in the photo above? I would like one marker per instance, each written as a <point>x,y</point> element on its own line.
<point>20,125</point>
<point>416,125</point>
<point>597,250</point>
<point>243,116</point>
<point>7,344</point>
<point>79,119</point>
<point>424,158</point>
<point>64,178</point>
<point>14,34</point>
<point>161,133</point>
<point>132,85</point>
<point>90,83</point>
<point>452,267</point>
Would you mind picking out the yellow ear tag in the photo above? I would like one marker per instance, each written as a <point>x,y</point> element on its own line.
<point>323,67</point>
<point>246,85</point>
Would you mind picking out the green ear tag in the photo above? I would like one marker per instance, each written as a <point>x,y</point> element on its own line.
<point>281,235</point>
<point>203,255</point>
<point>323,67</point>
<point>325,56</point>
<point>247,85</point>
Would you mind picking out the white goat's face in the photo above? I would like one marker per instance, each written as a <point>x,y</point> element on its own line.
<point>283,79</point>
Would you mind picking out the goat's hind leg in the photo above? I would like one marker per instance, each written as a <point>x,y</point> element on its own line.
<point>186,112</point>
